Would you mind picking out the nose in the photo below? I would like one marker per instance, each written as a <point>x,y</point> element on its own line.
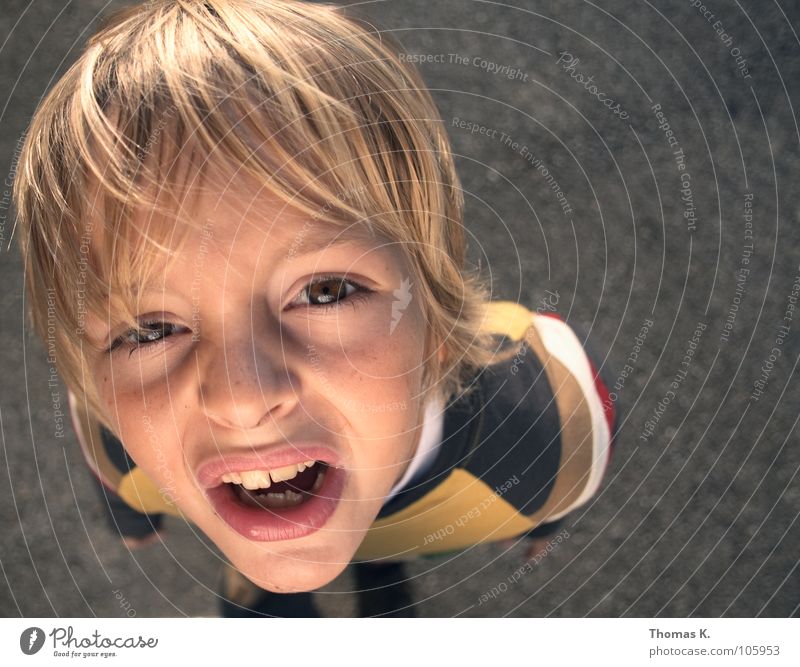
<point>246,381</point>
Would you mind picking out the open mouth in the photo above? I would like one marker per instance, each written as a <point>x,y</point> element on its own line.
<point>277,489</point>
<point>278,503</point>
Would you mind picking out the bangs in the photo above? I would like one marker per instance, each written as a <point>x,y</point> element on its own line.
<point>134,240</point>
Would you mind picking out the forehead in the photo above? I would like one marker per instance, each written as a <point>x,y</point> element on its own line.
<point>223,211</point>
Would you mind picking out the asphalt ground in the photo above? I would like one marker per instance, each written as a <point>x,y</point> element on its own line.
<point>698,516</point>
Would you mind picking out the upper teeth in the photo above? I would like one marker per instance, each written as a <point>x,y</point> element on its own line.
<point>261,479</point>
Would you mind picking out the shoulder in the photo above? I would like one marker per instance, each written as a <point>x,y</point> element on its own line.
<point>587,417</point>
<point>547,416</point>
<point>523,449</point>
<point>519,447</point>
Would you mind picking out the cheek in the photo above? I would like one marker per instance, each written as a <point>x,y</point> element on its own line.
<point>374,384</point>
<point>162,383</point>
<point>369,366</point>
<point>143,420</point>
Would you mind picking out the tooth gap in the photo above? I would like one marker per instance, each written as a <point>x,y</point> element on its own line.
<point>319,466</point>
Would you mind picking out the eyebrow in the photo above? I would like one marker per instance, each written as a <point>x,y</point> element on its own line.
<point>336,237</point>
<point>331,237</point>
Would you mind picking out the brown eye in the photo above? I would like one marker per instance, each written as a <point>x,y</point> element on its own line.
<point>329,292</point>
<point>326,291</point>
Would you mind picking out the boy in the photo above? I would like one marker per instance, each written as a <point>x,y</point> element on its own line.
<point>251,218</point>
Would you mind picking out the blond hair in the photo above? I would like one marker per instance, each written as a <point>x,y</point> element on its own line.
<point>312,103</point>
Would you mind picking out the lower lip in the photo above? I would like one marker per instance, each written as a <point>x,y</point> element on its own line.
<point>289,523</point>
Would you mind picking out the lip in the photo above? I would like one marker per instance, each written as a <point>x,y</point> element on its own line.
<point>271,525</point>
<point>210,473</point>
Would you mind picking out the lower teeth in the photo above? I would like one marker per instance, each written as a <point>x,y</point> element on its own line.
<point>270,500</point>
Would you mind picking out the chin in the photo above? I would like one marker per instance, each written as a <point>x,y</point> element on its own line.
<point>297,570</point>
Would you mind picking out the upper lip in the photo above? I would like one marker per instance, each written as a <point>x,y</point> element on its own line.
<point>266,457</point>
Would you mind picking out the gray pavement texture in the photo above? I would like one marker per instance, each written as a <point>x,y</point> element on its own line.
<point>698,518</point>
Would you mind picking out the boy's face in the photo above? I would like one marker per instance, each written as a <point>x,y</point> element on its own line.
<point>254,367</point>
